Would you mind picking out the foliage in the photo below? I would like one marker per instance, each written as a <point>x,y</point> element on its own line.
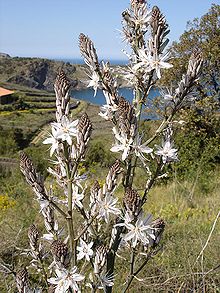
<point>98,153</point>
<point>6,202</point>
<point>198,140</point>
<point>204,34</point>
<point>105,221</point>
<point>8,144</point>
<point>37,152</point>
<point>13,140</point>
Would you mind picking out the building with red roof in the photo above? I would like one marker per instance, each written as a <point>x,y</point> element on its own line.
<point>5,96</point>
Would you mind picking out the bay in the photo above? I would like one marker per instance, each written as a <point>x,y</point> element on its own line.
<point>99,99</point>
<point>80,61</point>
<point>127,93</point>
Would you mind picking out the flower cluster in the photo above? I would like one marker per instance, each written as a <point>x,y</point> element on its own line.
<point>93,223</point>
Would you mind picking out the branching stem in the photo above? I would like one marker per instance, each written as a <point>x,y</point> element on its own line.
<point>148,257</point>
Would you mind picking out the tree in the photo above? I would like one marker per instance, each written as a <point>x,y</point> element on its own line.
<point>204,34</point>
<point>199,140</point>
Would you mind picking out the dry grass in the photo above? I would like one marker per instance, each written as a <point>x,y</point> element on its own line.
<point>188,224</point>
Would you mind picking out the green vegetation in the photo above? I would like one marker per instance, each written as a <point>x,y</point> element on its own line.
<point>188,199</point>
<point>199,138</point>
<point>34,73</point>
<point>189,216</point>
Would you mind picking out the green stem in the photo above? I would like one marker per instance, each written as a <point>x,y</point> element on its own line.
<point>162,126</point>
<point>128,173</point>
<point>151,182</point>
<point>111,256</point>
<point>69,217</point>
<point>137,271</point>
<point>131,167</point>
<point>57,208</point>
<point>43,270</point>
<point>86,227</point>
<point>132,262</point>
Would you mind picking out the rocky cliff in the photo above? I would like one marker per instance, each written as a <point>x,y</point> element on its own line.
<point>33,72</point>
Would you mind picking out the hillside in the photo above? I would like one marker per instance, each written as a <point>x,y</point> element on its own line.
<point>36,73</point>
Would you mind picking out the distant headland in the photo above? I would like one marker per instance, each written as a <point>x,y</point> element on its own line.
<point>40,73</point>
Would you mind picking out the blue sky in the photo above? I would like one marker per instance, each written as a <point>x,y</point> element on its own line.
<point>50,28</point>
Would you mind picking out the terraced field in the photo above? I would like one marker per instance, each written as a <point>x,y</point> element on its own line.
<point>28,118</point>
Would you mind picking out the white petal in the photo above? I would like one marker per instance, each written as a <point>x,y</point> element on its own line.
<point>69,140</point>
<point>125,154</point>
<point>165,65</point>
<point>117,148</point>
<point>53,280</point>
<point>77,277</point>
<point>80,255</point>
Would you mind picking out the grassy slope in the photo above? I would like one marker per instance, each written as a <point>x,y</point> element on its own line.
<point>188,211</point>
<point>189,218</point>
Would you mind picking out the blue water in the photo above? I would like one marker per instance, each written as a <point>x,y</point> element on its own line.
<point>127,93</point>
<point>80,61</point>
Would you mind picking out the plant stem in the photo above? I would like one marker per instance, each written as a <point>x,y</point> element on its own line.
<point>131,167</point>
<point>69,217</point>
<point>151,182</point>
<point>57,208</point>
<point>86,227</point>
<point>137,271</point>
<point>111,256</point>
<point>43,270</point>
<point>132,262</point>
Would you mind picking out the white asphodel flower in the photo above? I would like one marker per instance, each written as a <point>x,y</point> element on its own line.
<point>44,204</point>
<point>143,17</point>
<point>66,279</point>
<point>100,258</point>
<point>106,112</point>
<point>66,129</point>
<point>52,236</point>
<point>94,82</point>
<point>167,94</point>
<point>131,74</point>
<point>77,197</point>
<point>140,231</point>
<point>150,62</point>
<point>123,145</point>
<point>167,152</point>
<point>141,149</point>
<point>110,100</point>
<point>53,140</point>
<point>85,250</point>
<point>107,281</point>
<point>62,171</point>
<point>106,207</point>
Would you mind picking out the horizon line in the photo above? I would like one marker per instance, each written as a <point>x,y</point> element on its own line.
<point>62,57</point>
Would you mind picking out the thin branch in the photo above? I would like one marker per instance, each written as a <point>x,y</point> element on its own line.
<point>69,217</point>
<point>149,255</point>
<point>59,210</point>
<point>85,228</point>
<point>132,262</point>
<point>209,237</point>
<point>6,270</point>
<point>151,182</point>
<point>186,275</point>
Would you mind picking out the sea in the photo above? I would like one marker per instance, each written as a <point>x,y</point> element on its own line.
<point>80,61</point>
<point>127,93</point>
<point>88,93</point>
